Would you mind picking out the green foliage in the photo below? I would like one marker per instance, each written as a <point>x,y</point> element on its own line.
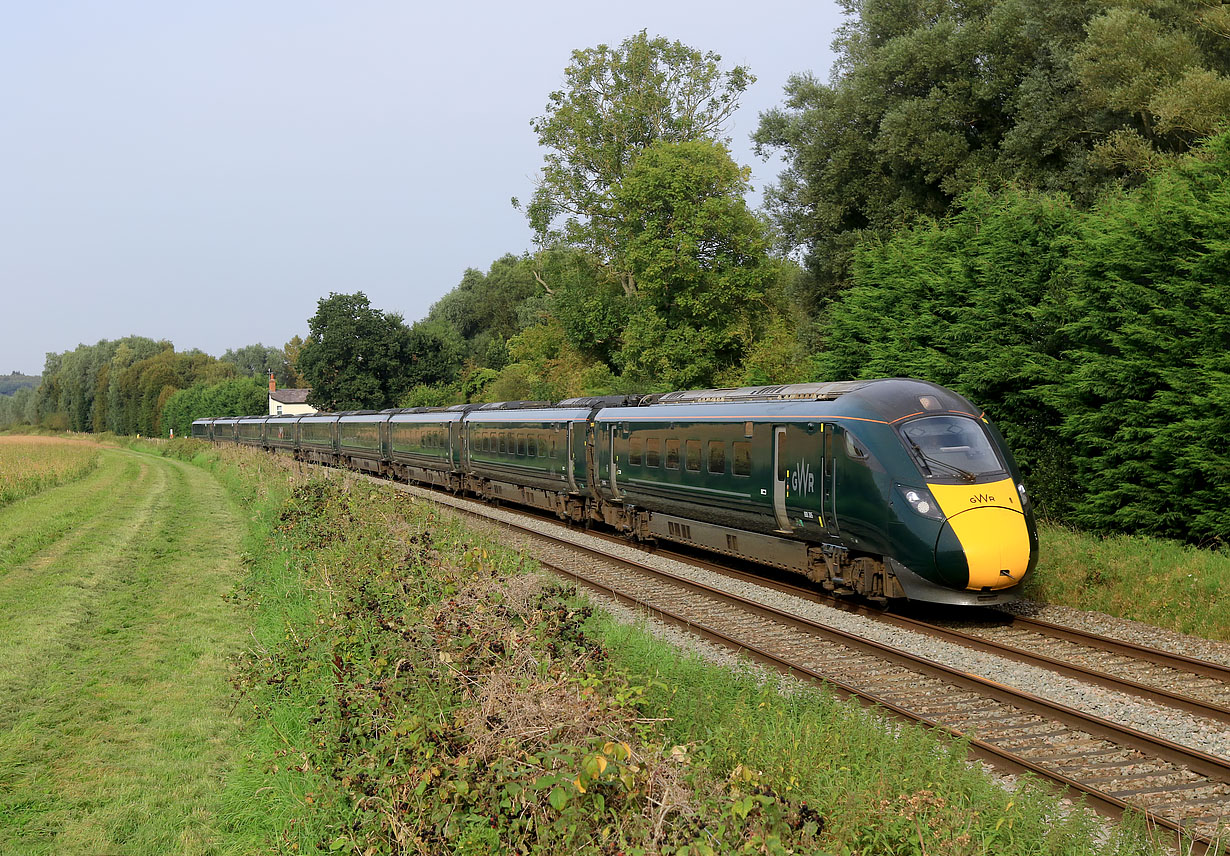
<point>357,357</point>
<point>240,396</point>
<point>615,103</point>
<point>119,386</point>
<point>699,260</point>
<point>931,98</point>
<point>10,383</point>
<point>261,361</point>
<point>1098,341</point>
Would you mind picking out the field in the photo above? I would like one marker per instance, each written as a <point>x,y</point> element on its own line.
<point>117,723</point>
<point>31,464</point>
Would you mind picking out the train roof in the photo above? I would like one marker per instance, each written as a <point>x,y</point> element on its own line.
<point>881,400</point>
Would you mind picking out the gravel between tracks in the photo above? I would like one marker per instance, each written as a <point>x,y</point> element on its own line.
<point>1161,721</point>
<point>1136,632</point>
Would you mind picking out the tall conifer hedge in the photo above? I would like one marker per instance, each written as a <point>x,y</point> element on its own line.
<point>1098,340</point>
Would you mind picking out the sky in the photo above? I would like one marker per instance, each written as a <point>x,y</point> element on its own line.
<point>205,172</point>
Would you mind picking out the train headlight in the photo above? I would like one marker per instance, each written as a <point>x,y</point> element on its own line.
<point>1020,488</point>
<point>921,501</point>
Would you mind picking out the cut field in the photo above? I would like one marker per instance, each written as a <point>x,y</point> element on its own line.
<point>31,464</point>
<point>116,719</point>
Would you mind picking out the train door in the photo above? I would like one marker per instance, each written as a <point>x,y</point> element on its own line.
<point>570,458</point>
<point>780,477</point>
<point>609,465</point>
<point>828,479</point>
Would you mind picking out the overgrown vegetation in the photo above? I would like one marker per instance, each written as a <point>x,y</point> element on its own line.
<point>31,464</point>
<point>418,689</point>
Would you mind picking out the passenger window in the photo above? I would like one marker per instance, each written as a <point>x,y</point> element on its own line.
<point>742,463</point>
<point>717,457</point>
<point>553,449</point>
<point>542,448</point>
<point>521,446</point>
<point>653,452</point>
<point>533,448</point>
<point>693,460</point>
<point>503,444</point>
<point>672,454</point>
<point>636,447</point>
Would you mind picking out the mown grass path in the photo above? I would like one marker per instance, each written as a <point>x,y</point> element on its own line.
<point>116,720</point>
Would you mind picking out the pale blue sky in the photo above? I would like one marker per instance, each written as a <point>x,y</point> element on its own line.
<point>204,172</point>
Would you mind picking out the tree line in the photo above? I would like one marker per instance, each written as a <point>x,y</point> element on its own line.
<point>1022,200</point>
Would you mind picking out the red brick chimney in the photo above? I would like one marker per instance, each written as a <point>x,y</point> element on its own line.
<point>273,384</point>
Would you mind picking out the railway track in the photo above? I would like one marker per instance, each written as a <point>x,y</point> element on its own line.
<point>1116,768</point>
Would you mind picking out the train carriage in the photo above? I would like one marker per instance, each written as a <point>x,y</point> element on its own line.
<point>223,430</point>
<point>424,445</point>
<point>251,430</point>
<point>281,432</point>
<point>523,452</point>
<point>360,439</point>
<point>317,440</point>
<point>201,429</point>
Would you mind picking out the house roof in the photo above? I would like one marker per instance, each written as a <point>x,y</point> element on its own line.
<point>291,396</point>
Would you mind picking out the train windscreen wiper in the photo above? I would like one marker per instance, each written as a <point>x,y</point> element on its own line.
<point>927,460</point>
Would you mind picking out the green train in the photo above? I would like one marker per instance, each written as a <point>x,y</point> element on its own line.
<point>891,488</point>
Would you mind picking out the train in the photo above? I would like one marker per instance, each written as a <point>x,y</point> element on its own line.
<point>892,489</point>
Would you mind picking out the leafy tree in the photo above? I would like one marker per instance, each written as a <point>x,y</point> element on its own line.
<point>616,102</point>
<point>240,396</point>
<point>700,258</point>
<point>355,356</point>
<point>291,349</point>
<point>252,360</point>
<point>930,98</point>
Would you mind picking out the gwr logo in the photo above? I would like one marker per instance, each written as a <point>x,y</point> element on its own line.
<point>802,480</point>
<point>981,497</point>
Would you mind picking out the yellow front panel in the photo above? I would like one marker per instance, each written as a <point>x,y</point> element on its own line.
<point>988,521</point>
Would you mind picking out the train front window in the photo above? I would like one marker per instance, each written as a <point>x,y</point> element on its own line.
<point>951,447</point>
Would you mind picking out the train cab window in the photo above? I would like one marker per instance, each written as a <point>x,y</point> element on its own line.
<point>653,452</point>
<point>717,457</point>
<point>741,465</point>
<point>855,448</point>
<point>636,450</point>
<point>672,454</point>
<point>693,456</point>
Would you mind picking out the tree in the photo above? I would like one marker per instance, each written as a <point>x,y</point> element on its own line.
<point>291,349</point>
<point>931,98</point>
<point>356,357</point>
<point>616,102</point>
<point>701,259</point>
<point>258,360</point>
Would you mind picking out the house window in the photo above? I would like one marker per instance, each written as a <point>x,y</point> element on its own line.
<point>279,410</point>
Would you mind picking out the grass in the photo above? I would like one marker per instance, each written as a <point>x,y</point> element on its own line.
<point>30,464</point>
<point>117,725</point>
<point>1165,583</point>
<point>415,691</point>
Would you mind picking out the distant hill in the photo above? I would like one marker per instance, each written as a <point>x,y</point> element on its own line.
<point>10,383</point>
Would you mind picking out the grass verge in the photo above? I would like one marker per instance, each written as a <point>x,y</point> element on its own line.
<point>416,689</point>
<point>1165,583</point>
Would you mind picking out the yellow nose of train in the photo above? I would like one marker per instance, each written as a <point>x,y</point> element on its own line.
<point>985,542</point>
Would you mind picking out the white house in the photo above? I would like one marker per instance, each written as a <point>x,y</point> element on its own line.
<point>288,402</point>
